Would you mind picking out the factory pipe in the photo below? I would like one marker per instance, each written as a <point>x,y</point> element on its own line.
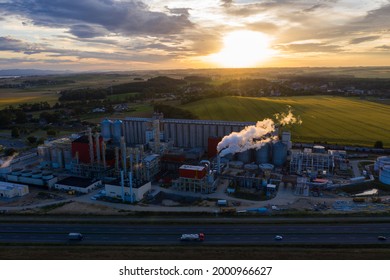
<point>90,141</point>
<point>97,144</point>
<point>116,158</point>
<point>131,186</point>
<point>123,151</point>
<point>123,185</point>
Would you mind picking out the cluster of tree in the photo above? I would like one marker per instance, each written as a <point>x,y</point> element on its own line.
<point>33,107</point>
<point>159,84</point>
<point>83,94</point>
<point>174,112</point>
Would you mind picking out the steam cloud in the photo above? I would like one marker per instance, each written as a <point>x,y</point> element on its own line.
<point>255,136</point>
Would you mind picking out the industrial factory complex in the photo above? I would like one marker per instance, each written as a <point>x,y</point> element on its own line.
<point>128,157</point>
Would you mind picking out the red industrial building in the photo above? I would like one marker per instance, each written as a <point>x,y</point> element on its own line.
<point>80,146</point>
<point>192,171</point>
<point>212,144</point>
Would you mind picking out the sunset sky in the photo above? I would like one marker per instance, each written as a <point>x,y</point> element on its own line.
<point>161,34</point>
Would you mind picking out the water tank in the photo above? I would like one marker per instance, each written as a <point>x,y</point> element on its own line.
<point>266,167</point>
<point>251,167</point>
<point>17,171</point>
<point>381,162</point>
<point>279,153</point>
<point>245,156</point>
<point>384,175</point>
<point>26,173</point>
<point>36,174</point>
<point>117,132</point>
<point>319,149</point>
<point>236,164</point>
<point>106,129</point>
<point>263,154</point>
<point>46,175</point>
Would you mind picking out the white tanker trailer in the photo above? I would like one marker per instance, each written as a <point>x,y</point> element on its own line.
<point>192,237</point>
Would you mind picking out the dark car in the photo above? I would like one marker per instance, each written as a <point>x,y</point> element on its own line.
<point>382,238</point>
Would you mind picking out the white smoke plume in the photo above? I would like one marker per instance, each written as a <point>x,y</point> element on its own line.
<point>287,118</point>
<point>255,136</point>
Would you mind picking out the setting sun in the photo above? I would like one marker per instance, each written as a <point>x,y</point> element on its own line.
<point>243,49</point>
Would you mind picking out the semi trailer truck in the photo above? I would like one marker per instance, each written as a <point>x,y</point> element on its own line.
<point>192,237</point>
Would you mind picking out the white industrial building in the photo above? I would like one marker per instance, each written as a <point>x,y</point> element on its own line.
<point>10,190</point>
<point>78,184</point>
<point>136,193</point>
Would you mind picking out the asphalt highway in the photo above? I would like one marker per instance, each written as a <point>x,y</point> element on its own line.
<point>137,234</point>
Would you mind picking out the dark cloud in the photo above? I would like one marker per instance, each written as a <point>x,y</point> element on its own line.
<point>179,11</point>
<point>15,45</point>
<point>363,39</point>
<point>226,3</point>
<point>383,47</point>
<point>126,18</point>
<point>310,47</point>
<point>87,31</point>
<point>313,8</point>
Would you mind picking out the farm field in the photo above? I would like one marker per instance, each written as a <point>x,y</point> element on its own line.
<point>332,119</point>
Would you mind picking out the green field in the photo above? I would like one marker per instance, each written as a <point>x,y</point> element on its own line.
<point>331,119</point>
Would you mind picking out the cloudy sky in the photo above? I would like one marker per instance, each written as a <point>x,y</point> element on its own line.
<point>161,34</point>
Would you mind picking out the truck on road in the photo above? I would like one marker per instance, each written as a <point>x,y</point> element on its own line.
<point>75,236</point>
<point>192,237</point>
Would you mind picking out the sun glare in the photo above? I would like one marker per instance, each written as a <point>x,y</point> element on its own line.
<point>243,49</point>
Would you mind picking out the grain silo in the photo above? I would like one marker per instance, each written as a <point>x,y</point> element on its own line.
<point>263,154</point>
<point>117,131</point>
<point>106,127</point>
<point>279,154</point>
<point>245,156</point>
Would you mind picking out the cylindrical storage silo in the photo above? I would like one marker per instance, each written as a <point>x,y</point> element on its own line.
<point>26,173</point>
<point>106,125</point>
<point>251,167</point>
<point>263,154</point>
<point>245,156</point>
<point>17,171</point>
<point>279,153</point>
<point>319,149</point>
<point>36,174</point>
<point>236,164</point>
<point>117,132</point>
<point>384,175</point>
<point>47,175</point>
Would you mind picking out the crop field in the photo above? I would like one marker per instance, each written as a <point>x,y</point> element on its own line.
<point>16,96</point>
<point>332,119</point>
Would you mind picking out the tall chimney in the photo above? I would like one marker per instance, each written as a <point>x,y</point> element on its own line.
<point>90,142</point>
<point>123,151</point>
<point>97,145</point>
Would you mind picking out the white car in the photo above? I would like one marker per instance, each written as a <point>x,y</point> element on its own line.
<point>278,237</point>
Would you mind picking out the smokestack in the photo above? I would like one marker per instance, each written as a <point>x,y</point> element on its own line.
<point>104,154</point>
<point>90,141</point>
<point>219,164</point>
<point>122,186</point>
<point>123,151</point>
<point>156,130</point>
<point>255,136</point>
<point>131,186</point>
<point>116,158</point>
<point>97,145</point>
